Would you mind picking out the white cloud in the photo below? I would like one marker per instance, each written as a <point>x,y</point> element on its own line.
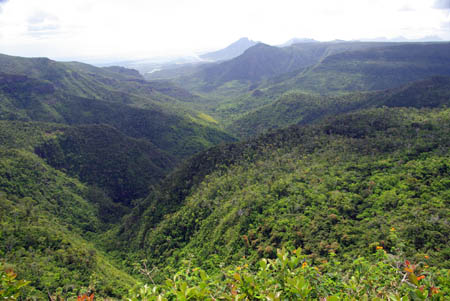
<point>442,4</point>
<point>2,2</point>
<point>139,28</point>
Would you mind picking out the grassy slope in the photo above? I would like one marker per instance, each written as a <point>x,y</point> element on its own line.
<point>336,186</point>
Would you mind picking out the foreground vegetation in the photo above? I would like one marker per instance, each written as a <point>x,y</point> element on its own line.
<point>291,276</point>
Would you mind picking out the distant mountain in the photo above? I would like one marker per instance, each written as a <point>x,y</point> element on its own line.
<point>231,51</point>
<point>431,38</point>
<point>263,62</point>
<point>256,63</point>
<point>329,66</point>
<point>374,68</point>
<point>263,73</point>
<point>297,40</point>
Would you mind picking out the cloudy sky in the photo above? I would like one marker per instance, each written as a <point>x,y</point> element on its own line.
<point>77,29</point>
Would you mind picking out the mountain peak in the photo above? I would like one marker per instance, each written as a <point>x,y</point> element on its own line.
<point>296,41</point>
<point>243,40</point>
<point>233,50</point>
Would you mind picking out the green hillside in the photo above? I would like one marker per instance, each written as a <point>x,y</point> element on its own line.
<point>178,132</point>
<point>374,69</point>
<point>79,146</point>
<point>111,84</point>
<point>296,107</point>
<point>48,221</point>
<point>256,63</point>
<point>100,155</point>
<point>338,186</point>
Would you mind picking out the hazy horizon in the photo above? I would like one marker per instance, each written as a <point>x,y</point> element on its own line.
<point>116,30</point>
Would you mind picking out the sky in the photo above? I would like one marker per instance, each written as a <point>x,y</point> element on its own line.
<point>131,29</point>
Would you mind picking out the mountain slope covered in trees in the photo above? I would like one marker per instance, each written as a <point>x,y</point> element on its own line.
<point>80,145</point>
<point>74,93</point>
<point>295,107</point>
<point>49,220</point>
<point>338,186</point>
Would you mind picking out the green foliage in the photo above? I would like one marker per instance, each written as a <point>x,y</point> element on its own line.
<point>122,167</point>
<point>46,221</point>
<point>291,276</point>
<point>100,155</point>
<point>44,226</point>
<point>293,107</point>
<point>27,135</point>
<point>338,186</point>
<point>296,107</point>
<point>55,233</point>
<point>10,287</point>
<point>263,74</point>
<point>75,93</point>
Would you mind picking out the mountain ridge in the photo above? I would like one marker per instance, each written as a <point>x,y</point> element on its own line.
<point>76,96</point>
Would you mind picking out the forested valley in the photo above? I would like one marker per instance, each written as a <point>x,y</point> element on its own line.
<point>313,171</point>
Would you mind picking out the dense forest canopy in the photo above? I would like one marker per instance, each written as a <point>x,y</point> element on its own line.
<point>318,170</point>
